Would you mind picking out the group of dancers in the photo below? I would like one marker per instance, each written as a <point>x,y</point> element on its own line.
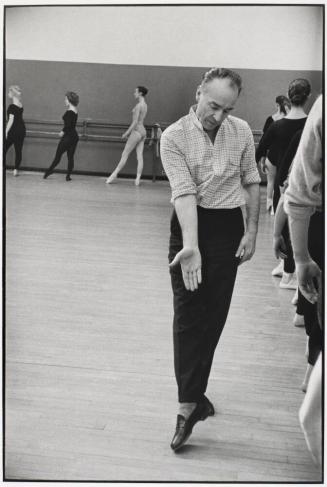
<point>275,153</point>
<point>135,135</point>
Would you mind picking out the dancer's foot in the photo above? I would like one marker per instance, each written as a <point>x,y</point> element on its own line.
<point>298,320</point>
<point>111,178</point>
<point>269,204</point>
<point>278,270</point>
<point>15,173</point>
<point>47,174</point>
<point>306,379</point>
<point>289,281</point>
<point>295,297</point>
<point>68,178</point>
<point>137,181</point>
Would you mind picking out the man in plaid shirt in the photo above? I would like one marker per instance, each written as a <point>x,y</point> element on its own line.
<point>209,158</point>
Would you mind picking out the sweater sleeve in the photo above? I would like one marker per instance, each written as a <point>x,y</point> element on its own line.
<point>304,192</point>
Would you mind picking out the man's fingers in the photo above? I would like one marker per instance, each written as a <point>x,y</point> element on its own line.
<point>239,250</point>
<point>186,280</point>
<point>195,280</point>
<point>192,279</point>
<point>199,275</point>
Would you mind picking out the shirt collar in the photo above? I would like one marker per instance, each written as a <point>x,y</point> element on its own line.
<point>194,118</point>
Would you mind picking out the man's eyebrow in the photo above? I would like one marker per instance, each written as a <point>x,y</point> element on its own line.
<point>228,109</point>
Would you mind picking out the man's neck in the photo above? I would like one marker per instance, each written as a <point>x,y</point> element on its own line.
<point>212,133</point>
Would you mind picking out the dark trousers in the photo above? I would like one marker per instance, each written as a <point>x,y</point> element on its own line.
<point>17,140</point>
<point>309,311</point>
<point>289,263</point>
<point>67,144</point>
<point>200,315</point>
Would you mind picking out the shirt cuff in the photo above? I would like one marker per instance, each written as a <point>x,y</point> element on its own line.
<point>176,193</point>
<point>251,178</point>
<point>298,212</point>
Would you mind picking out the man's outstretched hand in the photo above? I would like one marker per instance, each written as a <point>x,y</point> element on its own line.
<point>190,261</point>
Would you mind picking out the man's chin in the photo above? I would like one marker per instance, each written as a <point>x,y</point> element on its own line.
<point>210,126</point>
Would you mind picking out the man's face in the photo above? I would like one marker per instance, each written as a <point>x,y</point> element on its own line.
<point>216,100</point>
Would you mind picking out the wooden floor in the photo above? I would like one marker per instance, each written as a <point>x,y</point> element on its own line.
<point>90,388</point>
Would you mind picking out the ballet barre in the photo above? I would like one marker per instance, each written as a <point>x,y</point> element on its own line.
<point>85,128</point>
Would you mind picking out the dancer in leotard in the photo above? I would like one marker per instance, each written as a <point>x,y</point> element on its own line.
<point>69,136</point>
<point>135,135</point>
<point>15,129</point>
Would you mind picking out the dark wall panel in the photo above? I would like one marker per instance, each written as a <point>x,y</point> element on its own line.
<point>106,93</point>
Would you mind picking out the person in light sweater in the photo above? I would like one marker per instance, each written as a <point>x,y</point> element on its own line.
<point>303,199</point>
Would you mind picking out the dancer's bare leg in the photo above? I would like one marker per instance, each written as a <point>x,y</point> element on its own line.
<point>132,141</point>
<point>311,411</point>
<point>139,155</point>
<point>271,175</point>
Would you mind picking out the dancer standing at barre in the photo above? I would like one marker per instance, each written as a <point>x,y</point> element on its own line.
<point>69,136</point>
<point>135,135</point>
<point>15,129</point>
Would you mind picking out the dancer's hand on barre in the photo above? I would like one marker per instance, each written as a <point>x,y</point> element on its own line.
<point>190,261</point>
<point>61,133</point>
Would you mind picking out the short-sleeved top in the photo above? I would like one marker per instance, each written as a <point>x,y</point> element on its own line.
<point>18,126</point>
<point>267,124</point>
<point>277,139</point>
<point>70,120</point>
<point>214,172</point>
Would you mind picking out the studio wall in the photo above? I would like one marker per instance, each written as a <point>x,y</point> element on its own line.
<point>88,64</point>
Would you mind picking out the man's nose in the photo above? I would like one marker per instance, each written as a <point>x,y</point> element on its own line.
<point>218,115</point>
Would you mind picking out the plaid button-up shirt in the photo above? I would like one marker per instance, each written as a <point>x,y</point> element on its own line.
<point>215,173</point>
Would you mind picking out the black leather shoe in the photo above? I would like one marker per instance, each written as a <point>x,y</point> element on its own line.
<point>209,406</point>
<point>184,426</point>
<point>68,178</point>
<point>46,174</point>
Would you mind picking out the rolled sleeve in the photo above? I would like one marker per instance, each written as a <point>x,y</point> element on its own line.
<point>249,170</point>
<point>175,166</point>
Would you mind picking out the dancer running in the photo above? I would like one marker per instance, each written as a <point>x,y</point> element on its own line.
<point>135,135</point>
<point>69,136</point>
<point>15,129</point>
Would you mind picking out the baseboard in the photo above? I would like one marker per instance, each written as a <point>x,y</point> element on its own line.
<point>86,173</point>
